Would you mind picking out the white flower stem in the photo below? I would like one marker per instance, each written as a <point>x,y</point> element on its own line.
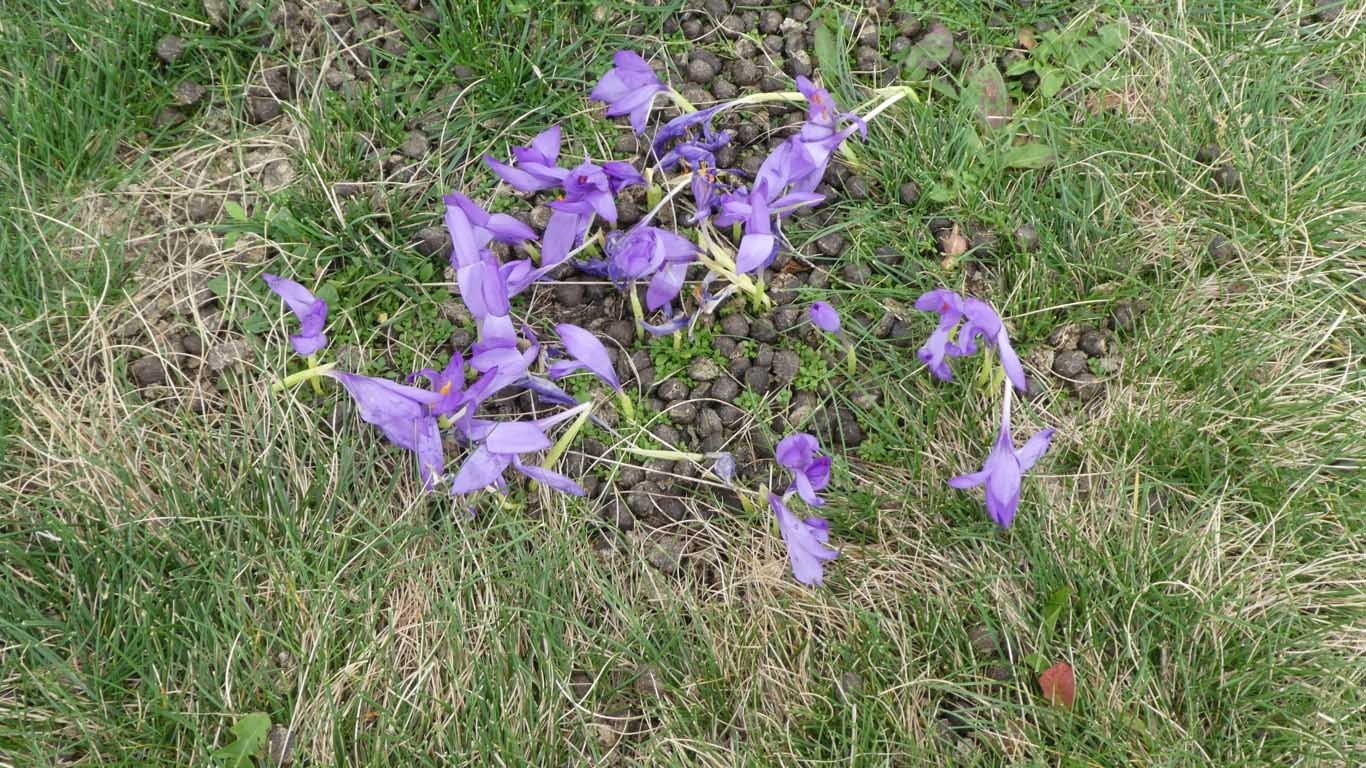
<point>295,379</point>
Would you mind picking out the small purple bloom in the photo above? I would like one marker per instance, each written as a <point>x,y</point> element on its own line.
<point>758,245</point>
<point>537,164</point>
<point>807,542</point>
<point>483,289</point>
<point>498,226</point>
<point>311,311</point>
<point>824,317</point>
<point>590,188</point>
<point>724,466</point>
<point>650,252</point>
<point>403,414</point>
<point>810,472</point>
<point>683,125</point>
<point>585,352</point>
<point>501,445</point>
<point>822,115</point>
<point>978,319</point>
<point>1003,471</point>
<point>629,88</point>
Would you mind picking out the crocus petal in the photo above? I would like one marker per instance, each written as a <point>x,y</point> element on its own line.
<point>1003,492</point>
<point>934,352</point>
<point>547,144</point>
<point>430,461</point>
<point>756,251</point>
<point>971,480</point>
<point>481,470</point>
<point>513,437</point>
<point>724,467</point>
<point>808,494</point>
<point>1033,448</point>
<point>394,408</point>
<point>519,179</point>
<point>622,174</point>
<point>506,229</point>
<point>299,299</point>
<point>587,349</point>
<point>307,345</point>
<point>309,309</point>
<point>665,285</point>
<point>806,543</point>
<point>824,317</point>
<point>818,472</point>
<point>1010,361</point>
<point>941,300</point>
<point>550,478</point>
<point>548,392</point>
<point>796,451</point>
<point>560,234</point>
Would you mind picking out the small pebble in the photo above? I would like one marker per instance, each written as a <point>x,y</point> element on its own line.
<point>432,241</point>
<point>1227,177</point>
<point>622,332</point>
<point>1208,154</point>
<point>1070,364</point>
<point>1026,238</point>
<point>786,365</point>
<point>188,93</point>
<point>763,330</point>
<point>909,193</point>
<point>415,146</point>
<point>1088,387</point>
<point>735,325</point>
<point>170,48</point>
<point>830,244</point>
<point>148,371</point>
<point>569,294</point>
<point>1123,317</point>
<point>725,389</point>
<point>757,379</point>
<point>704,369</point>
<point>262,109</point>
<point>1221,249</point>
<point>673,389</point>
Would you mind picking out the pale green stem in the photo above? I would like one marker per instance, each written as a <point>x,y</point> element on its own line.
<point>562,444</point>
<point>680,101</point>
<point>851,360</point>
<point>317,385</point>
<point>295,379</point>
<point>637,310</point>
<point>627,409</point>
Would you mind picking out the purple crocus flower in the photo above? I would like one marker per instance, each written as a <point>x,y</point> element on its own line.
<point>822,116</point>
<point>724,466</point>
<point>590,188</point>
<point>807,542</point>
<point>824,317</point>
<point>682,126</point>
<point>501,445</point>
<point>978,319</point>
<point>810,472</point>
<point>311,311</point>
<point>758,245</point>
<point>1004,468</point>
<point>629,88</point>
<point>648,252</point>
<point>537,164</point>
<point>404,414</point>
<point>494,226</point>
<point>585,352</point>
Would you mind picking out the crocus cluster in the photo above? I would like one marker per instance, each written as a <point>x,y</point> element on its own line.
<point>732,234</point>
<point>974,319</point>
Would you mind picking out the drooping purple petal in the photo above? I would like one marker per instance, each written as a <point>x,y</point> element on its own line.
<point>512,437</point>
<point>756,252</point>
<point>1034,448</point>
<point>796,451</point>
<point>665,285</point>
<point>806,540</point>
<point>309,309</point>
<point>481,469</point>
<point>549,478</point>
<point>430,459</point>
<point>629,88</point>
<point>546,145</point>
<point>561,233</point>
<point>824,317</point>
<point>1010,361</point>
<point>394,408</point>
<point>585,348</point>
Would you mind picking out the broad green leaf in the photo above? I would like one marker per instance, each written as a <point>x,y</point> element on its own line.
<point>987,91</point>
<point>1020,67</point>
<point>1052,82</point>
<point>828,56</point>
<point>251,732</point>
<point>235,211</point>
<point>932,50</point>
<point>1112,36</point>
<point>1031,155</point>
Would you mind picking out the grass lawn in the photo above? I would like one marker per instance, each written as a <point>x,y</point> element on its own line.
<point>176,557</point>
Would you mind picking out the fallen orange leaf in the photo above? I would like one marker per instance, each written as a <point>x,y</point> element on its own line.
<point>1059,685</point>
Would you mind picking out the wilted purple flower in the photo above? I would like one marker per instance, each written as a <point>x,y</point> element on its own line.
<point>672,325</point>
<point>629,88</point>
<point>495,226</point>
<point>822,116</point>
<point>311,311</point>
<point>810,472</point>
<point>537,164</point>
<point>807,542</point>
<point>758,245</point>
<point>501,444</point>
<point>645,251</point>
<point>681,126</point>
<point>824,317</point>
<point>405,416</point>
<point>483,289</point>
<point>590,188</point>
<point>724,466</point>
<point>978,319</point>
<point>1003,470</point>
<point>585,352</point>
